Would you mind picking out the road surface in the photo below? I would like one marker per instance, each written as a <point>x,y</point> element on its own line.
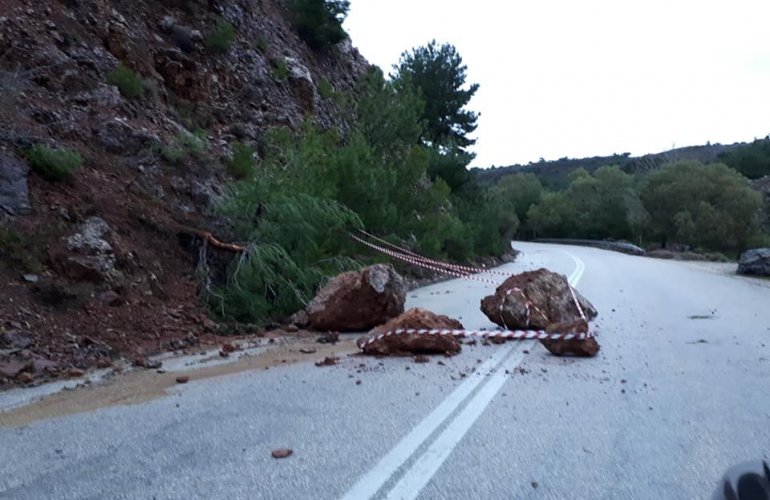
<point>678,393</point>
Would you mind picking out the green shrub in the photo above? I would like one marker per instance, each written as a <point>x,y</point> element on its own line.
<point>221,39</point>
<point>325,89</point>
<point>130,84</point>
<point>18,252</point>
<point>241,165</point>
<point>54,164</point>
<point>319,22</point>
<point>261,43</point>
<point>280,69</point>
<point>186,145</point>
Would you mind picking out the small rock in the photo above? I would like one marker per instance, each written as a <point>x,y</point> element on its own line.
<point>535,484</point>
<point>25,377</point>
<point>183,379</point>
<point>30,278</point>
<point>308,350</point>
<point>75,372</point>
<point>358,382</point>
<point>329,338</point>
<point>40,365</point>
<point>10,369</point>
<point>291,328</point>
<point>282,453</point>
<point>497,340</point>
<point>422,359</point>
<point>228,347</point>
<point>224,354</point>
<point>111,298</point>
<point>327,361</point>
<point>103,362</point>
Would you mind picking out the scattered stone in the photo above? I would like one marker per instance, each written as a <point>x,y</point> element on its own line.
<point>182,379</point>
<point>300,319</point>
<point>308,350</point>
<point>581,348</point>
<point>327,361</point>
<point>329,338</point>
<point>75,372</point>
<point>10,369</point>
<point>282,453</point>
<point>14,197</point>
<point>30,278</point>
<point>42,365</point>
<point>358,300</point>
<point>224,354</point>
<point>25,377</point>
<point>15,340</point>
<point>228,347</point>
<point>405,344</point>
<point>535,484</point>
<point>497,340</point>
<point>291,328</point>
<point>111,298</point>
<point>755,262</point>
<point>422,359</point>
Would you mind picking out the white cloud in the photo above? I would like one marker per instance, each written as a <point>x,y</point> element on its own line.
<point>565,78</point>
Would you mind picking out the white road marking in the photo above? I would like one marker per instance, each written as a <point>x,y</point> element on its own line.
<point>423,469</point>
<point>371,483</point>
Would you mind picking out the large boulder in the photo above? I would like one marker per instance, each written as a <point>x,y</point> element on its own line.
<point>91,256</point>
<point>534,300</point>
<point>755,261</point>
<point>14,198</point>
<point>542,300</point>
<point>383,340</point>
<point>358,300</point>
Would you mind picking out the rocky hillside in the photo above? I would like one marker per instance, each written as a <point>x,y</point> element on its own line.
<point>92,266</point>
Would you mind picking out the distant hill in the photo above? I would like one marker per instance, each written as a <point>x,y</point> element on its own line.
<point>553,174</point>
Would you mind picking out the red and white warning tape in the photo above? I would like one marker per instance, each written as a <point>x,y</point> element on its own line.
<point>487,334</point>
<point>448,265</point>
<point>467,272</point>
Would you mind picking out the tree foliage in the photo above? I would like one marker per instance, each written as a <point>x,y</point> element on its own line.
<point>319,22</point>
<point>704,205</point>
<point>752,160</point>
<point>439,75</point>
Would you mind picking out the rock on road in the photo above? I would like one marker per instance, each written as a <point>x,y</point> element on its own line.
<point>677,394</point>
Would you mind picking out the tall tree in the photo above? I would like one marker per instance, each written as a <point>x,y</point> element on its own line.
<point>438,74</point>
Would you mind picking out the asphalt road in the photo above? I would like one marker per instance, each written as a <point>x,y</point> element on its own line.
<point>678,393</point>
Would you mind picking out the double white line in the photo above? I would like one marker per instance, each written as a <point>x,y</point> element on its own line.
<point>456,414</point>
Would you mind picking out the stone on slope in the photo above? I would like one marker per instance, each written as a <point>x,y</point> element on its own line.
<point>408,344</point>
<point>358,300</point>
<point>755,261</point>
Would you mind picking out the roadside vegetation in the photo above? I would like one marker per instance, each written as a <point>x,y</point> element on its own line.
<point>400,172</point>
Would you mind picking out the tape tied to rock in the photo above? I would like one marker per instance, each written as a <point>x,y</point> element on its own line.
<point>505,334</point>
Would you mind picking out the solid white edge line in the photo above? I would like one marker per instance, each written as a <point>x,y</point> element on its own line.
<point>371,483</point>
<point>425,467</point>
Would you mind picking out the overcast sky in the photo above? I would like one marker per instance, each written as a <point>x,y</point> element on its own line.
<point>591,77</point>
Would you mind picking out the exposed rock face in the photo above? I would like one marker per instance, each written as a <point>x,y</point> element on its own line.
<point>408,344</point>
<point>14,198</point>
<point>358,300</point>
<point>755,261</point>
<point>551,308</point>
<point>119,136</point>
<point>548,295</point>
<point>301,82</point>
<point>95,260</point>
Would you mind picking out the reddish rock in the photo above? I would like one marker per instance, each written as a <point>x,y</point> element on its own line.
<point>25,377</point>
<point>327,361</point>
<point>103,362</point>
<point>587,348</point>
<point>228,347</point>
<point>549,296</point>
<point>358,300</point>
<point>182,379</point>
<point>282,453</point>
<point>75,372</point>
<point>422,359</point>
<point>10,369</point>
<point>407,344</point>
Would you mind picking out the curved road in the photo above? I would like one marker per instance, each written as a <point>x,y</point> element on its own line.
<point>678,393</point>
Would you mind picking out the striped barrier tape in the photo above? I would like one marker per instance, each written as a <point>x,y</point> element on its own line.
<point>418,260</point>
<point>448,265</point>
<point>487,334</point>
